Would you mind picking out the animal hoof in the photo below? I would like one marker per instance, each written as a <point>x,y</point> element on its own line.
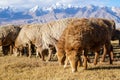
<point>73,71</point>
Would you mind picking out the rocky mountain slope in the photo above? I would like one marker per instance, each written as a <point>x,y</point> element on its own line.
<point>41,15</point>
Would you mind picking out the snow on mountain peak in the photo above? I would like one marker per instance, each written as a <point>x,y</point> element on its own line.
<point>54,6</point>
<point>34,8</point>
<point>89,6</point>
<point>114,9</point>
<point>41,14</point>
<point>58,5</point>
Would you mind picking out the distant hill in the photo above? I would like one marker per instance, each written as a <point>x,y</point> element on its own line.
<point>41,15</point>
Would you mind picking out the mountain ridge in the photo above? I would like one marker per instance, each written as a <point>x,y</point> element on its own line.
<point>41,15</point>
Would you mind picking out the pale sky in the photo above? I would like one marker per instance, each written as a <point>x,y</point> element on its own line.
<point>47,3</point>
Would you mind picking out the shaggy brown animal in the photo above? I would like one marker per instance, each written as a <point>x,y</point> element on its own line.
<point>8,34</point>
<point>112,29</point>
<point>84,35</point>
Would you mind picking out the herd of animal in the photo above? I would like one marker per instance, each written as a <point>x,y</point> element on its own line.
<point>71,39</point>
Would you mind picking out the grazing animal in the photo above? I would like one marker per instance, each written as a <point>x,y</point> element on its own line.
<point>43,36</point>
<point>84,35</point>
<point>8,34</point>
<point>29,34</point>
<point>51,33</point>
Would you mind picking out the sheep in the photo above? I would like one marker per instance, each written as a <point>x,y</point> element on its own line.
<point>43,36</point>
<point>8,34</point>
<point>84,35</point>
<point>26,37</point>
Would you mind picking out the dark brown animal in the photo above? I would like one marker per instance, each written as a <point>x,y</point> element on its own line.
<point>8,34</point>
<point>84,35</point>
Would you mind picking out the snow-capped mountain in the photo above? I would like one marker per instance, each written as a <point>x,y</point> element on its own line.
<point>57,11</point>
<point>34,9</point>
<point>116,10</point>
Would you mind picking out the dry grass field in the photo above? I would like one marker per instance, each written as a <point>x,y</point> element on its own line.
<point>23,68</point>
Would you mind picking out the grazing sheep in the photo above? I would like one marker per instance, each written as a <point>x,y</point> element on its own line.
<point>43,36</point>
<point>51,32</point>
<point>8,34</point>
<point>84,35</point>
<point>28,35</point>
